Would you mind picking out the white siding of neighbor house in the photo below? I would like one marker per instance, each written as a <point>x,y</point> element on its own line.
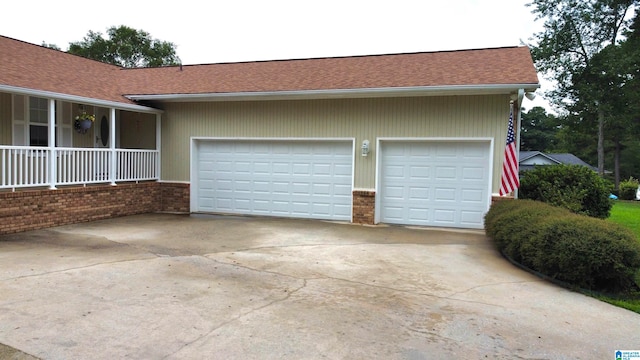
<point>538,160</point>
<point>425,117</point>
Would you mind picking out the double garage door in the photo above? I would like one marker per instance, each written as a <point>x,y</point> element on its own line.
<point>434,183</point>
<point>285,178</point>
<point>427,183</point>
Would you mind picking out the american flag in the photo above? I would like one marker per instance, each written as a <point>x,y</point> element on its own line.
<point>510,179</point>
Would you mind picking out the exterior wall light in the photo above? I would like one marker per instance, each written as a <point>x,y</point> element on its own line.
<point>530,95</point>
<point>365,148</point>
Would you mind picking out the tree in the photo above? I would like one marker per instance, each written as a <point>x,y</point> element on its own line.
<point>575,31</point>
<point>126,47</point>
<point>629,161</point>
<point>578,135</point>
<point>613,74</point>
<point>51,46</point>
<point>539,130</point>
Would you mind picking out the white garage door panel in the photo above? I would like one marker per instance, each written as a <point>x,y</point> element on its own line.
<point>434,183</point>
<point>277,178</point>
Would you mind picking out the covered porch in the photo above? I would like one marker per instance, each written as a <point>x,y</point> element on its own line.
<point>43,146</point>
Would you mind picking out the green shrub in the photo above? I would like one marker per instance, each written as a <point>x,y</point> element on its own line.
<point>574,187</point>
<point>509,223</point>
<point>582,251</point>
<point>628,189</point>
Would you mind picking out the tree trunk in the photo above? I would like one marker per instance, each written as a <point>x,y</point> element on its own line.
<point>600,141</point>
<point>616,163</point>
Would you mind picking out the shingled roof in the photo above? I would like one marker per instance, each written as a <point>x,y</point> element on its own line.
<point>29,66</point>
<point>558,158</point>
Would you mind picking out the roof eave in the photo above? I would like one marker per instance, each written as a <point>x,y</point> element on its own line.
<point>78,99</point>
<point>530,154</point>
<point>445,90</point>
<point>549,157</point>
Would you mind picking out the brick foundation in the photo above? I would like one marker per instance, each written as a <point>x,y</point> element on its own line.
<point>174,197</point>
<point>37,209</point>
<point>501,198</point>
<point>25,210</point>
<point>364,204</point>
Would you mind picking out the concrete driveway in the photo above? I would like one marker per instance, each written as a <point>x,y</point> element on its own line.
<point>178,287</point>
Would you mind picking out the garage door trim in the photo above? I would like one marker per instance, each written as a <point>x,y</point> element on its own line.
<point>381,140</point>
<point>194,160</point>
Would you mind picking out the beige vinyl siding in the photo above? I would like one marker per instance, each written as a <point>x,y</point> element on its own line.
<point>137,130</point>
<point>453,116</point>
<point>86,140</point>
<point>5,119</point>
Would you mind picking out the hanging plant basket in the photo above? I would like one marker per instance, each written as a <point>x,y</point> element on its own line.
<point>83,122</point>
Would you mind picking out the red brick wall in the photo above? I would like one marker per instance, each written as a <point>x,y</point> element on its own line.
<point>25,210</point>
<point>501,198</point>
<point>174,197</point>
<point>364,204</point>
<point>37,209</point>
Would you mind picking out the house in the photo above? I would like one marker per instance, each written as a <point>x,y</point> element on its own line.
<point>529,159</point>
<point>413,138</point>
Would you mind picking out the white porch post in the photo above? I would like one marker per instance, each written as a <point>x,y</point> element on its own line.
<point>53,169</point>
<point>112,146</point>
<point>158,145</point>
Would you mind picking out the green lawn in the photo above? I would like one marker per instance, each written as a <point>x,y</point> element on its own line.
<point>626,213</point>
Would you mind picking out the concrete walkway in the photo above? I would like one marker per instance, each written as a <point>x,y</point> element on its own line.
<point>178,287</point>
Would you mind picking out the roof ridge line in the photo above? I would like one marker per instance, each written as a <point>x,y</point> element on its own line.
<point>334,57</point>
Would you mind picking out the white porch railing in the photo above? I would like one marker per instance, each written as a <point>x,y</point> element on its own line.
<point>82,166</point>
<point>137,165</point>
<point>24,166</point>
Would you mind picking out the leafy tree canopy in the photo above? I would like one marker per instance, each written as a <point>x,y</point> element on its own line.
<point>539,130</point>
<point>580,48</point>
<point>51,46</point>
<point>126,47</point>
<point>574,32</point>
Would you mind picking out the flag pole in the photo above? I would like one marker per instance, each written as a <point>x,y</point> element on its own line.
<point>518,128</point>
<point>509,179</point>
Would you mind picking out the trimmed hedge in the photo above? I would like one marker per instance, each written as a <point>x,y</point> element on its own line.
<point>585,252</point>
<point>572,187</point>
<point>628,189</point>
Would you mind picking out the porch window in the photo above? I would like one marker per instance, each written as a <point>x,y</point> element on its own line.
<point>31,122</point>
<point>38,122</point>
<point>38,135</point>
<point>38,110</point>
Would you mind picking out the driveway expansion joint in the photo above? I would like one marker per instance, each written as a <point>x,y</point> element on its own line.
<point>76,268</point>
<point>491,284</point>
<point>240,316</point>
<point>324,244</point>
<point>388,288</point>
<point>236,264</point>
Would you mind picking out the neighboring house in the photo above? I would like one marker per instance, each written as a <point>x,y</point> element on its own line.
<point>529,159</point>
<point>401,139</point>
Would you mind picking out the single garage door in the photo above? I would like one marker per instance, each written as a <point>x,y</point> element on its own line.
<point>435,183</point>
<point>301,179</point>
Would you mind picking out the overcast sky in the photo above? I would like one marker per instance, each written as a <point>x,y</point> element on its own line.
<point>246,30</point>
